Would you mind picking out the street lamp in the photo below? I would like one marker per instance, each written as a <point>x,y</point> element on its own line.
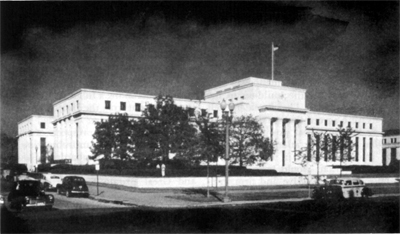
<point>228,119</point>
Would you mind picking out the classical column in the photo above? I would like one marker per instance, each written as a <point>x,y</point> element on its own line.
<point>277,137</point>
<point>290,137</point>
<point>301,136</point>
<point>266,123</point>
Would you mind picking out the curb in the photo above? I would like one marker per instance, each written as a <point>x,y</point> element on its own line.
<point>210,204</point>
<point>219,204</point>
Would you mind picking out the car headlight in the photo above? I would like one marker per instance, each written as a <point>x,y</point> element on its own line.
<point>1,199</point>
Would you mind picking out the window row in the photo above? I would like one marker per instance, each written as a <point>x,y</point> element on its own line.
<point>67,109</point>
<point>122,106</point>
<point>392,140</point>
<point>236,99</point>
<point>340,123</point>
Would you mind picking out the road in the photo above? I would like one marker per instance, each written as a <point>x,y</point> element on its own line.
<point>379,214</point>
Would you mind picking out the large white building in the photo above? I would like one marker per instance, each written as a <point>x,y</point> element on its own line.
<point>282,111</point>
<point>35,140</point>
<point>391,147</point>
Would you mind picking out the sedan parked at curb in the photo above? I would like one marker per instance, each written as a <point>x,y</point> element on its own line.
<point>342,188</point>
<point>50,182</point>
<point>73,185</point>
<point>28,193</point>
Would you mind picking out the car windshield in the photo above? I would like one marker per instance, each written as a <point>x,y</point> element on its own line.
<point>28,186</point>
<point>336,182</point>
<point>54,177</point>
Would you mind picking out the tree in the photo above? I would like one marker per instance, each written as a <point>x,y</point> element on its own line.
<point>247,141</point>
<point>166,128</point>
<point>9,149</point>
<point>209,141</point>
<point>112,138</point>
<point>322,146</point>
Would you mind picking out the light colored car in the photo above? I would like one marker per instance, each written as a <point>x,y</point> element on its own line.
<point>342,188</point>
<point>50,181</point>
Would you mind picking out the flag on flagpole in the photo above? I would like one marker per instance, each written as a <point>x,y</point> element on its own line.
<point>274,48</point>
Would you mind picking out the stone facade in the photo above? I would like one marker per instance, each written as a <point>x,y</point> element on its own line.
<point>282,111</point>
<point>35,136</point>
<point>391,146</point>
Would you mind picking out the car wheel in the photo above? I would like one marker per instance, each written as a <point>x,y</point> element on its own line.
<point>68,194</point>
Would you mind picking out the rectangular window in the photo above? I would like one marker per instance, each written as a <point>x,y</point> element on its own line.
<point>215,114</point>
<point>67,110</point>
<point>341,124</point>
<point>363,125</point>
<point>203,112</point>
<point>317,122</point>
<point>283,158</point>
<point>333,148</point>
<point>108,105</point>
<point>384,141</point>
<point>236,99</point>
<point>62,111</point>
<point>326,148</point>
<point>356,149</point>
<point>349,124</point>
<point>77,140</point>
<point>309,147</point>
<point>123,106</point>
<point>326,122</point>
<point>356,124</point>
<point>58,113</point>
<point>77,105</point>
<point>308,121</point>
<point>317,140</point>
<point>283,132</point>
<point>72,107</point>
<point>395,140</point>
<point>349,149</point>
<point>42,125</point>
<point>341,149</point>
<point>370,149</point>
<point>242,97</point>
<point>42,153</point>
<point>333,123</point>
<point>363,149</point>
<point>370,126</point>
<point>137,107</point>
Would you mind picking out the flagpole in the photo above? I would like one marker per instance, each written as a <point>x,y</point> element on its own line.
<point>272,61</point>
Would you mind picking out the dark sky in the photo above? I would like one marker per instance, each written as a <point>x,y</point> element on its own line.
<point>346,53</point>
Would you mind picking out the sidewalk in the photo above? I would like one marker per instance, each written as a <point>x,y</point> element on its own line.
<point>175,198</point>
<point>178,198</point>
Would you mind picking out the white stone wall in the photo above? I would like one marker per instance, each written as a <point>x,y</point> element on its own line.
<point>280,109</point>
<point>30,132</point>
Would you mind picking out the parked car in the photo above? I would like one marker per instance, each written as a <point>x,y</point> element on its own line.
<point>50,182</point>
<point>11,173</point>
<point>73,185</point>
<point>341,188</point>
<point>27,193</point>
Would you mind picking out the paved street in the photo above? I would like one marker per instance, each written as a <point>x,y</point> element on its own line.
<point>380,214</point>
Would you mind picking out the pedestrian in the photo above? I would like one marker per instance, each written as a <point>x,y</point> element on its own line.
<point>163,170</point>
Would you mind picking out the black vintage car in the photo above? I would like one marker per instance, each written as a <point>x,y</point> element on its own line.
<point>73,185</point>
<point>28,193</point>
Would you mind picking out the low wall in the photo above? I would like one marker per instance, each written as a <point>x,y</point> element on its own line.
<point>201,182</point>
